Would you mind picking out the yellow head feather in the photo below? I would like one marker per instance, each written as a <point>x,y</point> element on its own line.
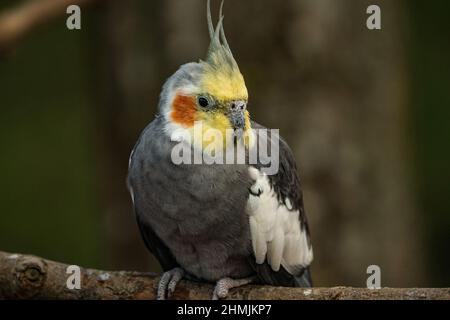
<point>222,77</point>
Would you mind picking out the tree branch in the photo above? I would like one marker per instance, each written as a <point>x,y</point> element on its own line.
<point>17,22</point>
<point>30,277</point>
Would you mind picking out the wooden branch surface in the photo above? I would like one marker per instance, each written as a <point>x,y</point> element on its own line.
<point>31,277</point>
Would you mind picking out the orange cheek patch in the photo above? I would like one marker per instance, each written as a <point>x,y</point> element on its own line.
<point>183,110</point>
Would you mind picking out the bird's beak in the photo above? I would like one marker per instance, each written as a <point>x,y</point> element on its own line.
<point>236,114</point>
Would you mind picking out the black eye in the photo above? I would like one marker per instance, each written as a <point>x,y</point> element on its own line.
<point>203,102</point>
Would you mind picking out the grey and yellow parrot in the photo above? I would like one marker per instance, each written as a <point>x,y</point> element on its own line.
<point>229,224</point>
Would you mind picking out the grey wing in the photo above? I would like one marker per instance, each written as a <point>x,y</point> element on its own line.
<point>136,178</point>
<point>156,246</point>
<point>279,229</point>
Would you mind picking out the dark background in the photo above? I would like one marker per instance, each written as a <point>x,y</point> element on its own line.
<point>366,113</point>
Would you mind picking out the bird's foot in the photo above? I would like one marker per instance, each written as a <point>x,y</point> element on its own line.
<point>223,286</point>
<point>168,283</point>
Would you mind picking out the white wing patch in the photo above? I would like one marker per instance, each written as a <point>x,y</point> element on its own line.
<point>275,229</point>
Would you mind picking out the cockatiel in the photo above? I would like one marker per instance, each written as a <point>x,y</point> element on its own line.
<point>229,224</point>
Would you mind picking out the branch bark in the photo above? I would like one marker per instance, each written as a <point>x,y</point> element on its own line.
<point>17,22</point>
<point>31,277</point>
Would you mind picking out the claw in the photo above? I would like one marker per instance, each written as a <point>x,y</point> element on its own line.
<point>223,286</point>
<point>168,283</point>
<point>174,281</point>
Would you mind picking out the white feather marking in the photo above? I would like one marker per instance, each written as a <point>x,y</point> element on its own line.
<point>275,228</point>
<point>130,158</point>
<point>254,173</point>
<point>275,249</point>
<point>131,194</point>
<point>288,204</point>
<point>259,243</point>
<point>254,230</point>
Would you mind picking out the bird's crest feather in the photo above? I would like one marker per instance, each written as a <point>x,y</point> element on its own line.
<point>222,77</point>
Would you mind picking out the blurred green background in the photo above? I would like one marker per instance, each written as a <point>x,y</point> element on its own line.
<point>366,113</point>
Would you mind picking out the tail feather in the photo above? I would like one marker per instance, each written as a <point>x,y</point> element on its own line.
<point>266,275</point>
<point>305,280</point>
